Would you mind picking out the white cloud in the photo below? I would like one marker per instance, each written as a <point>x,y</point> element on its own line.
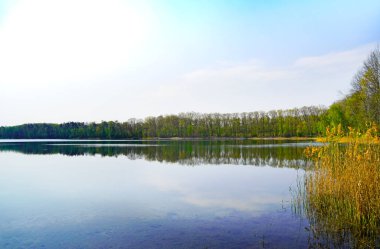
<point>251,70</point>
<point>329,66</point>
<point>252,85</point>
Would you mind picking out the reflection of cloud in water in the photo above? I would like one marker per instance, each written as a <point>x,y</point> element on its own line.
<point>225,187</point>
<point>255,204</point>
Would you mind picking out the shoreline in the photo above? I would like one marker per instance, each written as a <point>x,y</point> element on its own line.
<point>168,139</point>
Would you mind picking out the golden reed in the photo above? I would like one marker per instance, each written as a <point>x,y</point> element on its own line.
<point>341,195</point>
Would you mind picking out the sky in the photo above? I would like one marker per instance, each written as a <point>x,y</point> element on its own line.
<point>92,60</point>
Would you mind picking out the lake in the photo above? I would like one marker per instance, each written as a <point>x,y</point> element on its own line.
<point>151,194</point>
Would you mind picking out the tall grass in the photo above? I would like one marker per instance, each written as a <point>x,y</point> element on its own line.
<point>341,196</point>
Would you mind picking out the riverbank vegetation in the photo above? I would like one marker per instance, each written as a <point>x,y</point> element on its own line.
<point>341,195</point>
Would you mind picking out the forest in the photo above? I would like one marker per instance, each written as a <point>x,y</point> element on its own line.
<point>359,109</point>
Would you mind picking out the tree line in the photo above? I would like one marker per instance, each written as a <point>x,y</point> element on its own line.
<point>305,121</point>
<point>359,109</point>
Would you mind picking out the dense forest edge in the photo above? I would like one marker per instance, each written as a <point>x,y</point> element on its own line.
<point>360,109</point>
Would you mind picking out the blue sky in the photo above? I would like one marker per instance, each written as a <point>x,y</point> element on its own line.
<point>113,60</point>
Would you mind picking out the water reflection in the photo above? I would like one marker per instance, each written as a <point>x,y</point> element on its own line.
<point>241,152</point>
<point>53,197</point>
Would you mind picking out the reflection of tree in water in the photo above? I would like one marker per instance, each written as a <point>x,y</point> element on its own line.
<point>240,152</point>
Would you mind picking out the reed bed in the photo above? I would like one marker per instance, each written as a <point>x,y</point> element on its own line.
<point>341,195</point>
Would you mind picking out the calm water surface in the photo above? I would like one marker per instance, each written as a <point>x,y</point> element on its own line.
<point>144,194</point>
